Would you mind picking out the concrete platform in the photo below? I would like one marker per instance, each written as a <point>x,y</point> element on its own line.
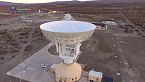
<point>31,70</point>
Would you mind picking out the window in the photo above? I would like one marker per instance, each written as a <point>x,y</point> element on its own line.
<point>72,51</point>
<point>91,81</point>
<point>67,49</point>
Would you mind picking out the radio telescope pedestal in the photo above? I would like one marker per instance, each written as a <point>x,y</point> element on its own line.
<point>67,35</point>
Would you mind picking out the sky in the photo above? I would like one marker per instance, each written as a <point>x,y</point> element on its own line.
<point>37,1</point>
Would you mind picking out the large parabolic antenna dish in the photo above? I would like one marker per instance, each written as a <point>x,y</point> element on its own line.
<point>68,35</point>
<point>67,26</point>
<point>57,31</point>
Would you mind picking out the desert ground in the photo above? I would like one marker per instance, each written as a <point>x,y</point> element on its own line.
<point>118,52</point>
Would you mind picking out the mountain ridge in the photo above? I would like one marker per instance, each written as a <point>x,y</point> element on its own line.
<point>2,3</point>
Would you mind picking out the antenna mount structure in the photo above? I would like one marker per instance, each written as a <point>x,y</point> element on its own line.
<point>67,35</point>
<point>68,17</point>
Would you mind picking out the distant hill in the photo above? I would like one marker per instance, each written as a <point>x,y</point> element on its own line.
<point>76,2</point>
<point>94,2</point>
<point>9,3</point>
<point>69,3</point>
<point>123,1</point>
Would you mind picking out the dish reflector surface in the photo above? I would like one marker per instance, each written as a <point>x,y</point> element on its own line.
<point>67,26</point>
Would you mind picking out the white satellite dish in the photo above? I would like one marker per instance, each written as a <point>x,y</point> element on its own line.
<point>67,26</point>
<point>67,36</point>
<point>67,31</point>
